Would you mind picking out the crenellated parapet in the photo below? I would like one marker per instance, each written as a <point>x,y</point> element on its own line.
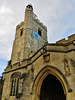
<point>70,39</point>
<point>19,25</point>
<point>33,56</point>
<point>39,22</point>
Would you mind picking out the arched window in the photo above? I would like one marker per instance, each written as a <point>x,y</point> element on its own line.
<point>21,32</point>
<point>17,84</point>
<point>14,81</point>
<point>39,31</point>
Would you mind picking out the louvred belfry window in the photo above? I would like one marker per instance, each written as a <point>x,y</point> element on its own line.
<point>40,32</point>
<point>21,32</point>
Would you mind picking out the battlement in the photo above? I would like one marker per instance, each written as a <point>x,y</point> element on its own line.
<point>19,25</point>
<point>39,22</point>
<point>70,39</point>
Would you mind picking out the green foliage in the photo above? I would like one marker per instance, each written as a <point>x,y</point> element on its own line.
<point>1,77</point>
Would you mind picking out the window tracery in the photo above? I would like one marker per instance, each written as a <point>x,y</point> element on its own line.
<point>17,84</point>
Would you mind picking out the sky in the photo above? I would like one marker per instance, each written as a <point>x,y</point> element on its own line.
<point>57,15</point>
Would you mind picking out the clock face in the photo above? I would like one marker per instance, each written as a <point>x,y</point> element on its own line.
<point>36,35</point>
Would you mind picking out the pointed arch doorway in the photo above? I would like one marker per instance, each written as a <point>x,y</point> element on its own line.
<point>50,84</point>
<point>51,89</point>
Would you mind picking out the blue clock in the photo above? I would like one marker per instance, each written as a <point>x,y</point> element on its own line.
<point>36,35</point>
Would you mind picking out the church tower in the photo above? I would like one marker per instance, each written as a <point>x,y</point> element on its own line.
<point>37,71</point>
<point>30,36</point>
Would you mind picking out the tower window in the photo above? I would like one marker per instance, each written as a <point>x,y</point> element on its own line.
<point>21,32</point>
<point>40,32</point>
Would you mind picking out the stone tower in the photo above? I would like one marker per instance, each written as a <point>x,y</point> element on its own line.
<point>25,42</point>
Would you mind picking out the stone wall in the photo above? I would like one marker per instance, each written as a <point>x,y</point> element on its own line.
<point>24,76</point>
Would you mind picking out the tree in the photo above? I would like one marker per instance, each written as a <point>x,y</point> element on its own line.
<point>1,77</point>
<point>1,85</point>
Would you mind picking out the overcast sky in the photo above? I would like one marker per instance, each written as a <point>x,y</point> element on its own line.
<point>57,15</point>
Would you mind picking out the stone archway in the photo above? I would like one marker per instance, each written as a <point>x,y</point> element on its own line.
<point>57,77</point>
<point>51,89</point>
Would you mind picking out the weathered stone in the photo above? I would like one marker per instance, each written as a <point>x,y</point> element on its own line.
<point>40,72</point>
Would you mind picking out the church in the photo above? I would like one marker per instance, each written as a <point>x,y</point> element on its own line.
<point>39,70</point>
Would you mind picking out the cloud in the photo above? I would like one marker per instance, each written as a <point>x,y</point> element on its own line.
<point>57,15</point>
<point>6,26</point>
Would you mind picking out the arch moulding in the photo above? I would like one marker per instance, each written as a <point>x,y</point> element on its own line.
<point>36,88</point>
